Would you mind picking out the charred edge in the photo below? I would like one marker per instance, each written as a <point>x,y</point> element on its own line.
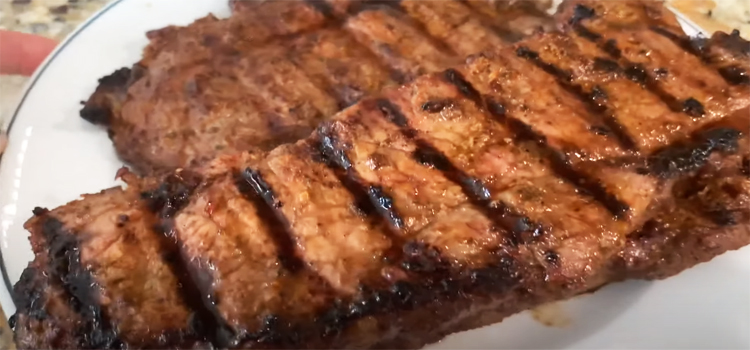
<point>254,189</point>
<point>172,194</point>
<point>370,199</point>
<point>745,166</point>
<point>455,78</point>
<point>438,285</point>
<point>96,114</point>
<point>421,258</point>
<point>274,332</point>
<point>28,296</point>
<point>206,322</point>
<point>499,213</point>
<point>637,73</point>
<point>78,284</point>
<point>39,211</point>
<point>734,42</point>
<point>98,109</point>
<point>681,158</point>
<point>591,101</point>
<point>735,75</point>
<point>560,164</point>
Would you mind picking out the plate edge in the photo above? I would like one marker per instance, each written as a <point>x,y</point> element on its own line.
<point>29,85</point>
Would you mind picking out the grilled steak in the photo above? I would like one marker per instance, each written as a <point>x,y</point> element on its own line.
<point>274,70</point>
<point>531,173</point>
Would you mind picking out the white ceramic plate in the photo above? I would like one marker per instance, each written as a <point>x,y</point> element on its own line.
<point>54,156</point>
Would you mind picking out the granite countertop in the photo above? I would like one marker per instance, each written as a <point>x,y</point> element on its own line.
<point>51,18</point>
<point>57,18</point>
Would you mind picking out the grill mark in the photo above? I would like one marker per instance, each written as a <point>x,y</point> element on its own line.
<point>256,191</point>
<point>323,7</point>
<point>733,75</point>
<point>455,78</point>
<point>721,217</point>
<point>677,159</point>
<point>441,45</point>
<point>637,73</point>
<point>683,42</point>
<point>165,201</point>
<point>395,5</point>
<point>523,132</point>
<point>558,161</point>
<point>327,86</point>
<point>591,101</point>
<point>377,200</point>
<point>500,214</point>
<point>503,33</point>
<point>323,86</point>
<point>206,321</point>
<point>77,283</point>
<point>581,12</point>
<point>358,6</point>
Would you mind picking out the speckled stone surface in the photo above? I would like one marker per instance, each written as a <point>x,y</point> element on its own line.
<point>51,18</point>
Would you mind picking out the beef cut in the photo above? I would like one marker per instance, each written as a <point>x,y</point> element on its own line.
<point>271,72</point>
<point>615,149</point>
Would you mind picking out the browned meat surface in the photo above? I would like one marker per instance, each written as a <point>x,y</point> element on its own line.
<point>274,70</point>
<point>521,177</point>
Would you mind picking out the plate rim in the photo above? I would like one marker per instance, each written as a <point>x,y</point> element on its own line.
<point>25,92</point>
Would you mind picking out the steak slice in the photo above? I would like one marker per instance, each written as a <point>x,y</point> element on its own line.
<point>439,206</point>
<point>273,70</point>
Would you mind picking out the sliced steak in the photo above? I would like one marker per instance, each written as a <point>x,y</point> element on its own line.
<point>272,71</point>
<point>443,205</point>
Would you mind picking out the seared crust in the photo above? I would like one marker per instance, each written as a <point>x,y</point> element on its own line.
<point>275,69</point>
<point>439,206</point>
